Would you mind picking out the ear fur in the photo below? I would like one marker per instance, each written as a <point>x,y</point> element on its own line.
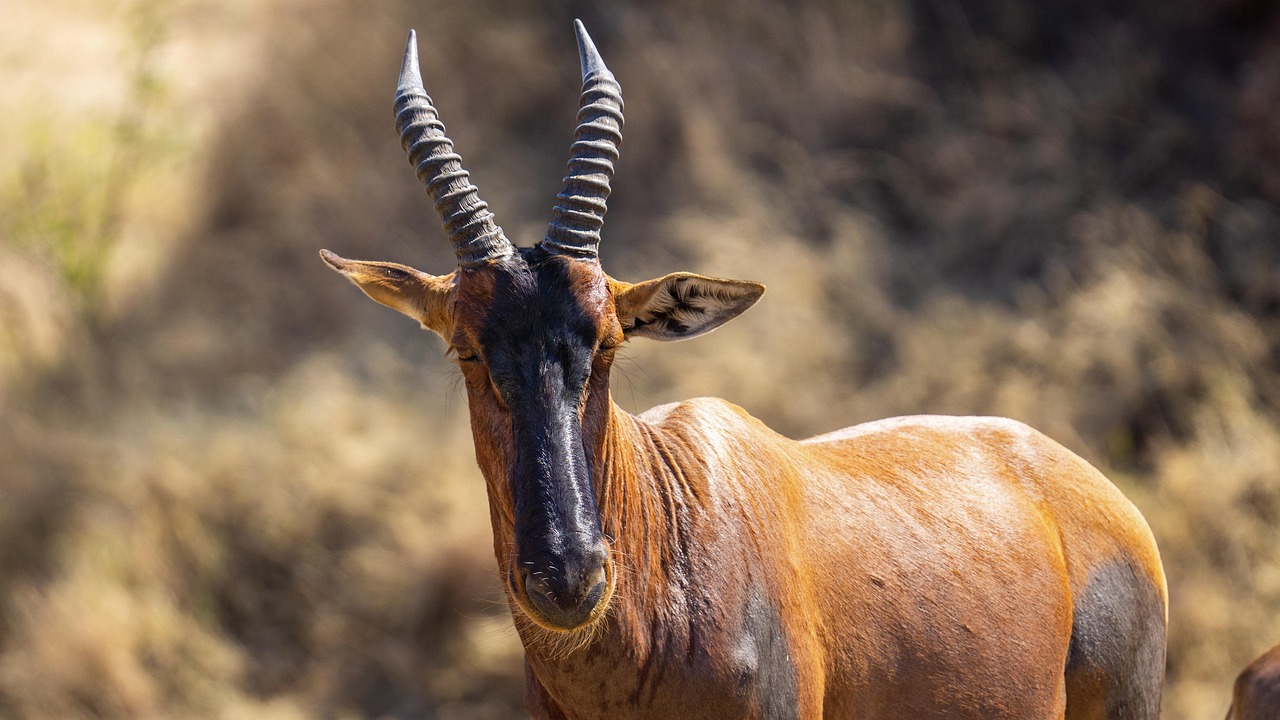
<point>425,298</point>
<point>681,305</point>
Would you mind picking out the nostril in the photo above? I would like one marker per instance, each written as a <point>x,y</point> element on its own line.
<point>598,560</point>
<point>595,577</point>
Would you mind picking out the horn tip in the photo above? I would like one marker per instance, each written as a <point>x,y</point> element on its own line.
<point>592,63</point>
<point>410,74</point>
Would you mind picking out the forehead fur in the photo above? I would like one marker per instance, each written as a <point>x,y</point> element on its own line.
<point>531,293</point>
<point>588,285</point>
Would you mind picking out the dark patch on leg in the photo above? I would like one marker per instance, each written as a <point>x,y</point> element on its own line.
<point>766,662</point>
<point>1115,666</point>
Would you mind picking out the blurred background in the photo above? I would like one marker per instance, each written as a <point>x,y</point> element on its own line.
<point>232,487</point>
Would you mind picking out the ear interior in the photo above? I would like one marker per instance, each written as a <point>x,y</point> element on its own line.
<point>682,305</point>
<point>425,298</point>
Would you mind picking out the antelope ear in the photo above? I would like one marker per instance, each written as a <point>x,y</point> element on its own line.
<point>425,298</point>
<point>681,305</point>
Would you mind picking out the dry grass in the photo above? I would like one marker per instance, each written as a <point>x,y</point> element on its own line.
<point>229,487</point>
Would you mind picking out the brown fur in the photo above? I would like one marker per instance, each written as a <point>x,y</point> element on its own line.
<point>876,549</point>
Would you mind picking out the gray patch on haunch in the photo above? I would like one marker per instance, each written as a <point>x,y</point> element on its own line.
<point>1116,658</point>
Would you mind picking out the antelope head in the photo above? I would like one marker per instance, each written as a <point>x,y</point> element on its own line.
<point>534,331</point>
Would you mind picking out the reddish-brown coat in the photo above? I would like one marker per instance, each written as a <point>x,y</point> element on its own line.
<point>922,567</point>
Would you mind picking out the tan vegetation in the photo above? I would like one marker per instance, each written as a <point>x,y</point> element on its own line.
<point>229,487</point>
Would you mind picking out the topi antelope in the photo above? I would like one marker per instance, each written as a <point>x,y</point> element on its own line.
<point>692,563</point>
<point>1256,695</point>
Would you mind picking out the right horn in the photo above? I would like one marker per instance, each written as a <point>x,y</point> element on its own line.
<point>579,213</point>
<point>475,236</point>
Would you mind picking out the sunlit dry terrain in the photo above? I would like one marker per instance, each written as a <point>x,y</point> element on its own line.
<point>230,487</point>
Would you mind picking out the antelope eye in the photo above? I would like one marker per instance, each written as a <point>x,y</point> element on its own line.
<point>612,339</point>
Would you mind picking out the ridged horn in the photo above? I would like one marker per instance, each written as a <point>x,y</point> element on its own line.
<point>580,208</point>
<point>475,236</point>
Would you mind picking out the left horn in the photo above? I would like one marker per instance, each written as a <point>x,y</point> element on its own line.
<point>476,238</point>
<point>579,212</point>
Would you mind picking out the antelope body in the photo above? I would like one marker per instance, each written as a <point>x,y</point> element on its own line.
<point>1256,695</point>
<point>692,563</point>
